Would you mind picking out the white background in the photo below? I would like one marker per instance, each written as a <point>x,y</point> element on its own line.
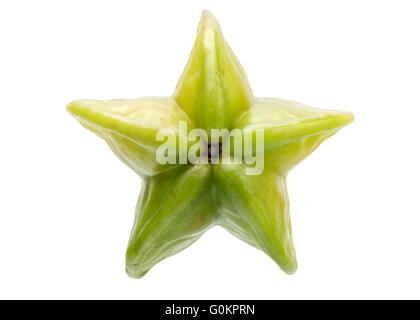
<point>67,203</point>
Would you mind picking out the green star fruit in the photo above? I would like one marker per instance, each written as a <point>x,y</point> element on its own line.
<point>180,202</point>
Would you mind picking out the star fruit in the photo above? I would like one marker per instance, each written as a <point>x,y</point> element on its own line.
<point>180,202</point>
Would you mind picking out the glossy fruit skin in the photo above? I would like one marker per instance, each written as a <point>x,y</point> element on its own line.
<point>179,202</point>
